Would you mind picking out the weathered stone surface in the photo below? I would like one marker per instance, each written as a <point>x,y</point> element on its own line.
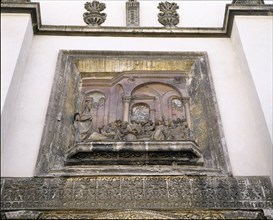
<point>145,214</point>
<point>135,153</point>
<point>168,15</point>
<point>248,2</point>
<point>132,13</point>
<point>121,192</point>
<point>88,71</point>
<point>94,18</point>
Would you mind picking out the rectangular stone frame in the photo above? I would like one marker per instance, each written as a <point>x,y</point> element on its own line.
<point>63,99</point>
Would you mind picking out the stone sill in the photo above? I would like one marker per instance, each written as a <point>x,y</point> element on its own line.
<point>135,153</point>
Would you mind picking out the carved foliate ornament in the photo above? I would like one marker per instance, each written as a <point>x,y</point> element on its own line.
<point>248,2</point>
<point>168,15</point>
<point>94,17</point>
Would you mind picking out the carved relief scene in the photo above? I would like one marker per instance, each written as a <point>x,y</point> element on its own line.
<point>134,107</point>
<point>152,111</point>
<point>132,112</point>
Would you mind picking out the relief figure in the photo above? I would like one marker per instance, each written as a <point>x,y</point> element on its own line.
<point>82,125</point>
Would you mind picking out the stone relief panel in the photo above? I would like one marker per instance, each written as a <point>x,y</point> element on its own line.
<point>152,111</point>
<point>140,109</point>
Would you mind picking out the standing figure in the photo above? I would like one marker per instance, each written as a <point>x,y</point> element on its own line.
<point>158,134</point>
<point>82,125</point>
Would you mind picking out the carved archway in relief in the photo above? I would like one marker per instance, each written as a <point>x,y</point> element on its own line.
<point>177,107</point>
<point>155,95</point>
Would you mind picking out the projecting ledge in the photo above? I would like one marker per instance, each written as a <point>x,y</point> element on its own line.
<point>135,153</point>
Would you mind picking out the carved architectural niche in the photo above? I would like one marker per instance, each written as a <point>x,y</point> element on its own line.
<point>141,111</point>
<point>248,2</point>
<point>132,13</point>
<point>94,18</point>
<point>168,15</point>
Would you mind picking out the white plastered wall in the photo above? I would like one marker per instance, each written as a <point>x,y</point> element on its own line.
<point>16,41</point>
<point>252,39</point>
<point>245,128</point>
<point>192,13</point>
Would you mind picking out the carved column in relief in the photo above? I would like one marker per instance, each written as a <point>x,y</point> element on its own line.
<point>186,103</point>
<point>132,13</point>
<point>126,100</point>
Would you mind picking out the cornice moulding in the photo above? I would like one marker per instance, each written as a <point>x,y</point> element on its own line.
<point>231,11</point>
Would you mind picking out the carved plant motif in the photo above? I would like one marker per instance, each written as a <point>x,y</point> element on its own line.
<point>168,16</point>
<point>94,17</point>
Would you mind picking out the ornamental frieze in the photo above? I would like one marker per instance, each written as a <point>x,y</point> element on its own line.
<point>146,192</point>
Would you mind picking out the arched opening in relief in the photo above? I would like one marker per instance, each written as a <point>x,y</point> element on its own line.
<point>140,112</point>
<point>157,96</point>
<point>177,108</point>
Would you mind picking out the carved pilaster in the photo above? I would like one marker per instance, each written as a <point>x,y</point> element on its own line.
<point>132,13</point>
<point>186,104</point>
<point>126,100</point>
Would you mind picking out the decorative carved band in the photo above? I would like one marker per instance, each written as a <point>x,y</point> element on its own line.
<point>120,192</point>
<point>136,214</point>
